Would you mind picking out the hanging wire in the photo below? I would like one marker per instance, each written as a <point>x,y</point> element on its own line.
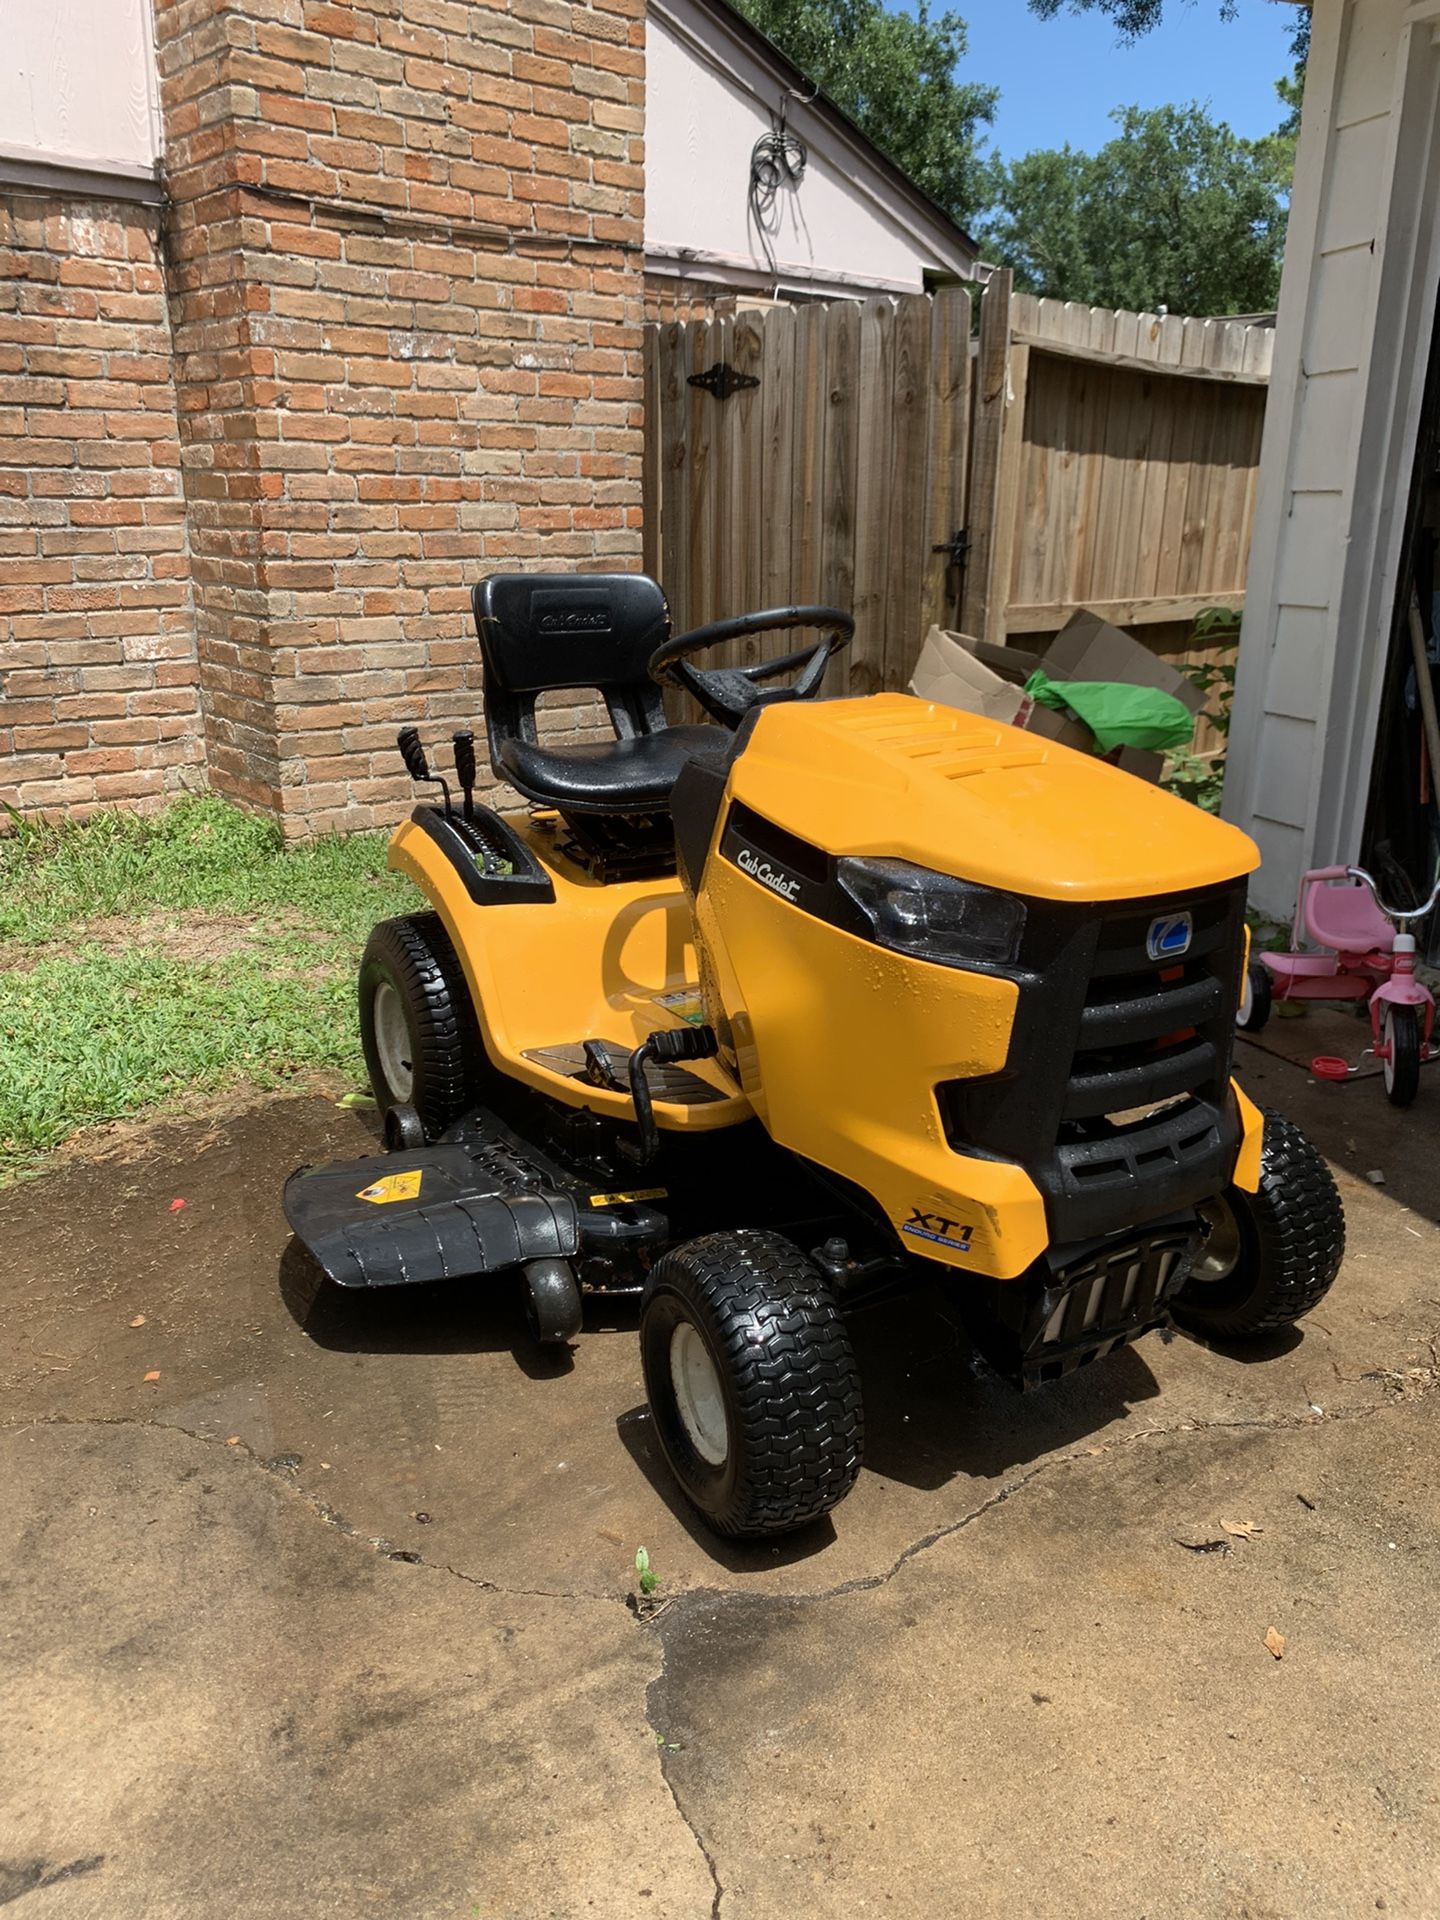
<point>777,159</point>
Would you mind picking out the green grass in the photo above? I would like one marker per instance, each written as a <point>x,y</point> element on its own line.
<point>94,1030</point>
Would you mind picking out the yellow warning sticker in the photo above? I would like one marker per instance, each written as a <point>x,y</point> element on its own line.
<point>395,1186</point>
<point>626,1199</point>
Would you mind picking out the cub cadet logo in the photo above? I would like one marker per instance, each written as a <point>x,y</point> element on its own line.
<point>935,1226</point>
<point>760,869</point>
<point>575,620</point>
<point>1169,936</point>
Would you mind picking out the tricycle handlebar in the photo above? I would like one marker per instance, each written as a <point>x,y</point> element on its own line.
<point>1392,913</point>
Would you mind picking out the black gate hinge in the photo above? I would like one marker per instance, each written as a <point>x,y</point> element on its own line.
<point>956,547</point>
<point>722,380</point>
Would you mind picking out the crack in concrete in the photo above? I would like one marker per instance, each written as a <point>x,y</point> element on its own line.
<point>666,1618</point>
<point>318,1509</point>
<point>700,1841</point>
<point>327,1515</point>
<point>1280,1423</point>
<point>866,1583</point>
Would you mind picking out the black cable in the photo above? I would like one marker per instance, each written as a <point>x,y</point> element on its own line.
<point>777,159</point>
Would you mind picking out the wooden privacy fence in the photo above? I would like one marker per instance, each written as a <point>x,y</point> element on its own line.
<point>876,457</point>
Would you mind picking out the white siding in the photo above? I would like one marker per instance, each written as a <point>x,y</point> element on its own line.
<point>707,101</point>
<point>77,84</point>
<point>1350,347</point>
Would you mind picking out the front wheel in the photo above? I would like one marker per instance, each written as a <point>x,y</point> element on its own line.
<point>1271,1256</point>
<point>1255,998</point>
<point>1400,1032</point>
<point>422,1047</point>
<point>752,1382</point>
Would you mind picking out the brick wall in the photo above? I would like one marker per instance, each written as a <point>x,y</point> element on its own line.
<point>97,647</point>
<point>404,259</point>
<point>431,329</point>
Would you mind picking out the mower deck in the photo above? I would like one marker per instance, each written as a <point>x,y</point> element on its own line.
<point>476,1202</point>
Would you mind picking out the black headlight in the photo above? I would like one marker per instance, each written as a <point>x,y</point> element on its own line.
<point>934,916</point>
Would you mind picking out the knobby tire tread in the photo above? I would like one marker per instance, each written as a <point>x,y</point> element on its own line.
<point>1298,1223</point>
<point>417,955</point>
<point>794,1381</point>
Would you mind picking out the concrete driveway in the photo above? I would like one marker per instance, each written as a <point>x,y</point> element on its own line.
<point>332,1616</point>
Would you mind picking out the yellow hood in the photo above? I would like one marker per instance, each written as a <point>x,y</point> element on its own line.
<point>891,776</point>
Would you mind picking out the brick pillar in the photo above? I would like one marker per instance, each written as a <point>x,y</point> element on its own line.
<point>407,259</point>
<point>97,667</point>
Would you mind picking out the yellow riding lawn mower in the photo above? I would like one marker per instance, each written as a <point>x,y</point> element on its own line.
<point>768,1018</point>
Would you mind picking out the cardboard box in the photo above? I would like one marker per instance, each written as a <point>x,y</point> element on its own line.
<point>949,673</point>
<point>982,677</point>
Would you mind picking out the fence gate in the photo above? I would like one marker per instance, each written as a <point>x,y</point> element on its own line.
<point>812,454</point>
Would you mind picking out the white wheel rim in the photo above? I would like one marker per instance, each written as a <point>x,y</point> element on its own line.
<point>698,1397</point>
<point>1221,1253</point>
<point>1387,1035</point>
<point>392,1041</point>
<point>1247,999</point>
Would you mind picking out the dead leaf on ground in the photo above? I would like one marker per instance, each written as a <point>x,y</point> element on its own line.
<point>1275,1642</point>
<point>233,1441</point>
<point>151,1377</point>
<point>138,1321</point>
<point>1241,1529</point>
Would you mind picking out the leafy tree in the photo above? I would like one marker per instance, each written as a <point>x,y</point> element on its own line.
<point>1176,211</point>
<point>1135,17</point>
<point>1132,17</point>
<point>894,74</point>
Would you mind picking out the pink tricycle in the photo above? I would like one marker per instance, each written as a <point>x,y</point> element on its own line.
<point>1371,957</point>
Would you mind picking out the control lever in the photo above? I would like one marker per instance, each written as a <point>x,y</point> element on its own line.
<point>465,769</point>
<point>417,766</point>
<point>671,1043</point>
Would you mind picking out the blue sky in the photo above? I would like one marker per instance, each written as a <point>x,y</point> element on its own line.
<point>1060,78</point>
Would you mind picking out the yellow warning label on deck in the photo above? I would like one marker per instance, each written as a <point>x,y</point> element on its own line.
<point>395,1186</point>
<point>628,1199</point>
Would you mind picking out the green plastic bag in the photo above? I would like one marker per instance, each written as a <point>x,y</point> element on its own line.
<point>1117,714</point>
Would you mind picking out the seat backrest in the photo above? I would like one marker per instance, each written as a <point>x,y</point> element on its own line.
<point>1346,918</point>
<point>549,632</point>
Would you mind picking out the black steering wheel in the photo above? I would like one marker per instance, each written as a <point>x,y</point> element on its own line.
<point>728,693</point>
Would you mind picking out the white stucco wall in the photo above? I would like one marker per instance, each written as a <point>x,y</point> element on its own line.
<point>1352,339</point>
<point>707,101</point>
<point>77,84</point>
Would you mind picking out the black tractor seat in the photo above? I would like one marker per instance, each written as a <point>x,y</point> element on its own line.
<point>557,632</point>
<point>604,776</point>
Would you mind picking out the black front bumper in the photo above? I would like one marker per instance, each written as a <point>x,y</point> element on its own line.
<point>1081,1303</point>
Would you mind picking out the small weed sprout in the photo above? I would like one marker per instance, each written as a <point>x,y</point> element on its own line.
<point>648,1580</point>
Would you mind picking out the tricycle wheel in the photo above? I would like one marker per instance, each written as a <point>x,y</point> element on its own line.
<point>1255,998</point>
<point>421,1043</point>
<point>1271,1255</point>
<point>752,1382</point>
<point>1400,1032</point>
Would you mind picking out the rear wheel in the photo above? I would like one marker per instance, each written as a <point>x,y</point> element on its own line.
<point>1400,1032</point>
<point>422,1046</point>
<point>1255,998</point>
<point>1272,1255</point>
<point>752,1382</point>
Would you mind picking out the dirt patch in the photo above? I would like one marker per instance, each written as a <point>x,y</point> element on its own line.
<point>118,1142</point>
<point>186,933</point>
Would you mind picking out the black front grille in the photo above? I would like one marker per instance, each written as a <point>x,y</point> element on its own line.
<point>1114,1096</point>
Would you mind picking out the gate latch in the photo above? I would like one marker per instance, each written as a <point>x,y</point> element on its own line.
<point>722,380</point>
<point>955,548</point>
